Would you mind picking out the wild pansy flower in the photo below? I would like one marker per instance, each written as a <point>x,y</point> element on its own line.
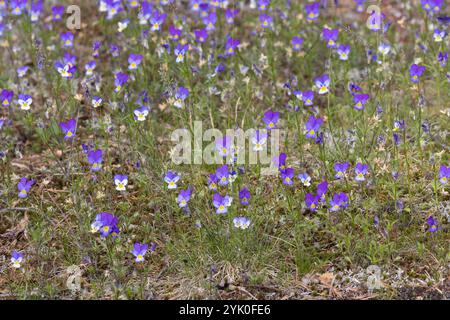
<point>133,3</point>
<point>201,35</point>
<point>67,39</point>
<point>398,125</point>
<point>134,60</point>
<point>57,13</point>
<point>263,5</point>
<point>68,128</point>
<point>24,186</point>
<point>312,127</point>
<point>432,5</point>
<point>222,174</point>
<point>156,20</point>
<point>360,5</point>
<point>212,181</point>
<point>224,146</point>
<point>17,6</point>
<point>439,35</point>
<point>444,174</point>
<point>97,101</point>
<point>305,179</point>
<point>287,176</point>
<point>266,20</point>
<point>244,196</point>
<point>308,98</point>
<point>259,139</point>
<point>280,161</point>
<point>120,80</point>
<point>384,48</point>
<point>25,101</point>
<point>181,95</point>
<point>140,114</point>
<point>330,36</point>
<point>106,223</point>
<point>145,12</point>
<point>139,251</point>
<point>113,7</point>
<point>122,25</point>
<point>210,21</point>
<point>339,201</point>
<point>343,50</point>
<point>6,97</point>
<point>121,182</point>
<point>312,11</point>
<point>312,201</point>
<point>89,67</point>
<point>360,100</point>
<point>270,119</point>
<point>230,14</point>
<point>95,159</point>
<point>221,203</point>
<point>180,51</point>
<point>322,83</point>
<point>174,33</point>
<point>16,259</point>
<point>35,10</point>
<point>360,171</point>
<point>66,70</point>
<point>183,197</point>
<point>241,222</point>
<point>297,43</point>
<point>322,189</point>
<point>442,58</point>
<point>171,178</point>
<point>340,169</point>
<point>415,72</point>
<point>21,71</point>
<point>231,46</point>
<point>432,224</point>
<point>96,48</point>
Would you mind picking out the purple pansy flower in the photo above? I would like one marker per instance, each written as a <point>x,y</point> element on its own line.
<point>343,50</point>
<point>68,128</point>
<point>297,43</point>
<point>25,101</point>
<point>444,174</point>
<point>360,100</point>
<point>330,36</point>
<point>201,35</point>
<point>415,72</point>
<point>171,178</point>
<point>224,146</point>
<point>95,159</point>
<point>183,197</point>
<point>339,201</point>
<point>322,189</point>
<point>340,169</point>
<point>134,60</point>
<point>106,223</point>
<point>322,83</point>
<point>312,11</point>
<point>121,182</point>
<point>16,259</point>
<point>312,201</point>
<point>432,224</point>
<point>241,222</point>
<point>181,95</point>
<point>120,80</point>
<point>222,174</point>
<point>244,196</point>
<point>24,186</point>
<point>231,46</point>
<point>67,39</point>
<point>312,127</point>
<point>139,251</point>
<point>212,181</point>
<point>6,97</point>
<point>270,119</point>
<point>308,98</point>
<point>360,171</point>
<point>259,139</point>
<point>221,203</point>
<point>287,176</point>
